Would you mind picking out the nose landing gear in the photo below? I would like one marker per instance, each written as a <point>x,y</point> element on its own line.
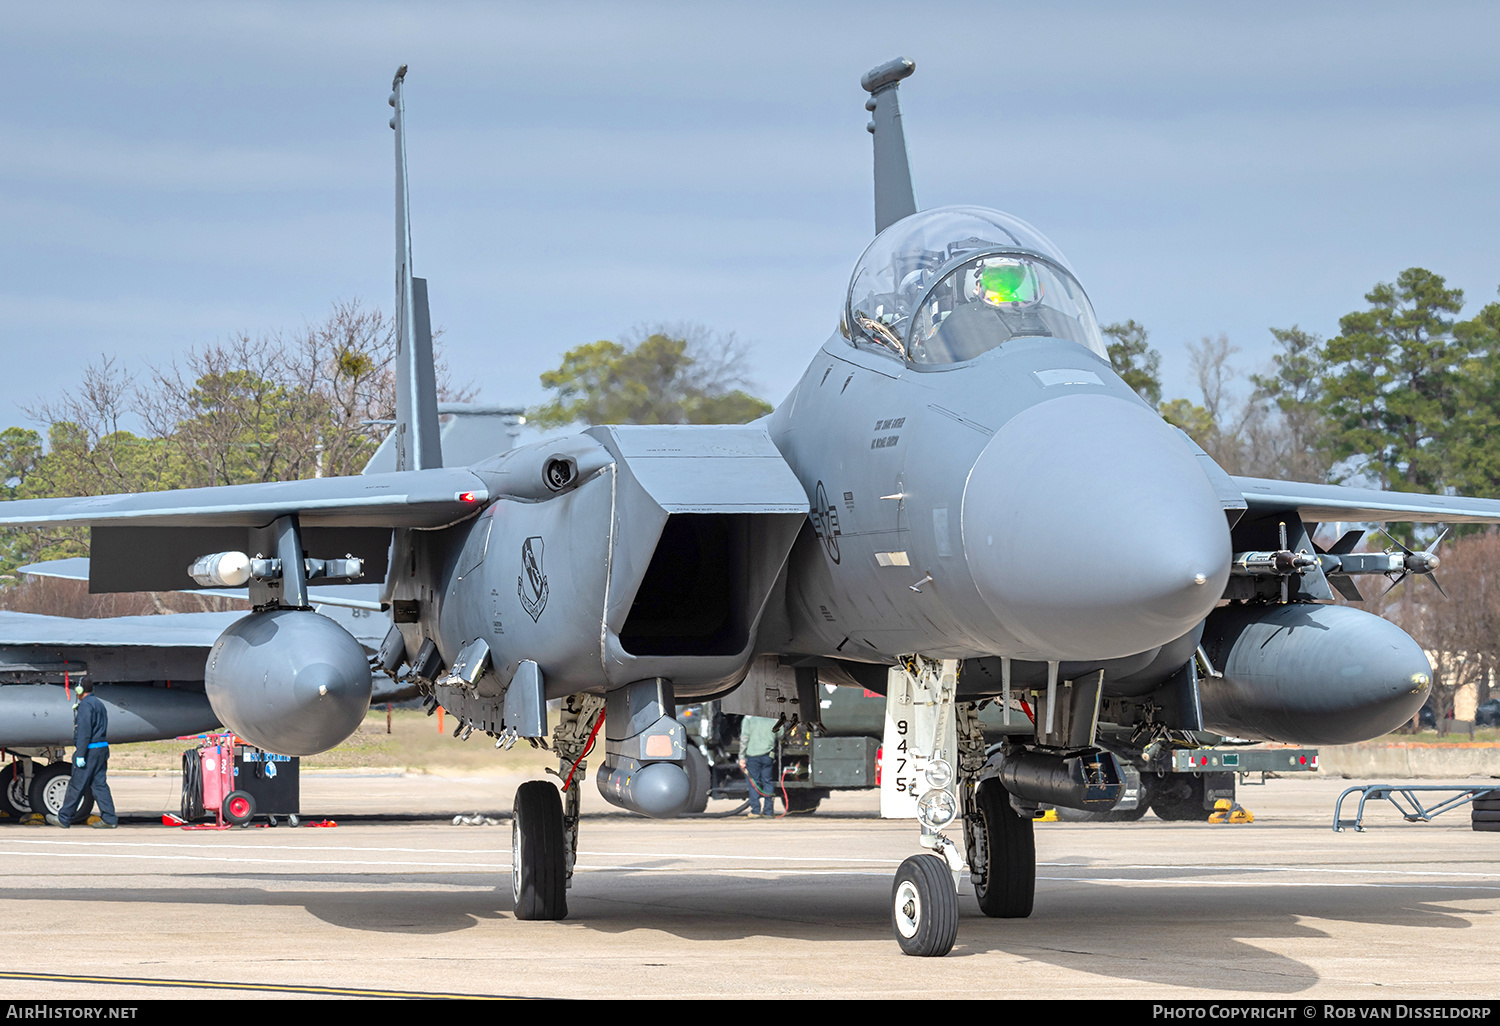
<point>929,734</point>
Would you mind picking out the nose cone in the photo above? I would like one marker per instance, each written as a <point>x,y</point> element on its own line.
<point>1091,530</point>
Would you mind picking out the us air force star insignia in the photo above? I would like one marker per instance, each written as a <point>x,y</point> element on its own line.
<point>532,585</point>
<point>825,517</point>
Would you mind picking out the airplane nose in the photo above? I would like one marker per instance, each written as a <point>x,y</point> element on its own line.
<point>1091,530</point>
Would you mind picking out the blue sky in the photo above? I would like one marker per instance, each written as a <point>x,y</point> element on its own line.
<point>174,173</point>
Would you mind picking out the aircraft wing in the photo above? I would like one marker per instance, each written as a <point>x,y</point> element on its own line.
<point>1322,504</point>
<point>348,596</point>
<point>179,630</point>
<point>419,499</point>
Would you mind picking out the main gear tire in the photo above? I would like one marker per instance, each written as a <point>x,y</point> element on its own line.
<point>1002,859</point>
<point>49,786</point>
<point>1180,800</point>
<point>14,800</point>
<point>803,802</point>
<point>700,778</point>
<point>924,907</point>
<point>538,849</point>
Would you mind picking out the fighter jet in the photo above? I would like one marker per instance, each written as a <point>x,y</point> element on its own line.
<point>959,502</point>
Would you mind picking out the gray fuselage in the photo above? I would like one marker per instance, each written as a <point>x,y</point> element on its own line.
<point>1025,503</point>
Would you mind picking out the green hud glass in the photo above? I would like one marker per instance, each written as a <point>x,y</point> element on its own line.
<point>1005,280</point>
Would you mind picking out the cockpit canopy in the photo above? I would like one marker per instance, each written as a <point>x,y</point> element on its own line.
<point>946,285</point>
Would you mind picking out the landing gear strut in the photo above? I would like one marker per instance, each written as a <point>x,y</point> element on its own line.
<point>922,744</point>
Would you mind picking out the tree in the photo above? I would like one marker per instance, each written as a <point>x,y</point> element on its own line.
<point>88,452</point>
<point>1134,360</point>
<point>1296,446</point>
<point>1459,630</point>
<point>273,408</point>
<point>1205,424</point>
<point>1394,383</point>
<point>281,407</point>
<point>1189,416</point>
<point>676,374</point>
<point>1473,443</point>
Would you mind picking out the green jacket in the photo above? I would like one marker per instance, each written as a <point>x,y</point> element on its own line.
<point>757,736</point>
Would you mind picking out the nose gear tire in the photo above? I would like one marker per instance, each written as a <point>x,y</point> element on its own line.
<point>924,907</point>
<point>538,871</point>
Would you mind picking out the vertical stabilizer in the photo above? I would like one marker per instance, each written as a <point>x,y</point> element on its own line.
<point>416,432</point>
<point>894,197</point>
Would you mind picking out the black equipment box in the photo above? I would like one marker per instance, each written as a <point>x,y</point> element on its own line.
<point>270,779</point>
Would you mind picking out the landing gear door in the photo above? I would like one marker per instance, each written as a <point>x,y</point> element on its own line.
<point>919,726</point>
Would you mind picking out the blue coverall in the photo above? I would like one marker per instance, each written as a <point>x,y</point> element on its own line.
<point>90,726</point>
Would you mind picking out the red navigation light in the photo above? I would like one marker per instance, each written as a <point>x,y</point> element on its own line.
<point>465,496</point>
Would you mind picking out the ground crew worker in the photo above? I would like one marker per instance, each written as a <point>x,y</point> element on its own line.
<point>757,741</point>
<point>90,761</point>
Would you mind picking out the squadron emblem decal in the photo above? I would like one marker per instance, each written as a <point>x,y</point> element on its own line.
<point>825,518</point>
<point>532,585</point>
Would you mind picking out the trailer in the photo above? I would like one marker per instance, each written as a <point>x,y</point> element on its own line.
<point>1179,779</point>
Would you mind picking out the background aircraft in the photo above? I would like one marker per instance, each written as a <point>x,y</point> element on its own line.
<point>149,669</point>
<point>959,501</point>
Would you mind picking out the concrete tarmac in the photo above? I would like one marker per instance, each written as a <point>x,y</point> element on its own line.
<point>398,900</point>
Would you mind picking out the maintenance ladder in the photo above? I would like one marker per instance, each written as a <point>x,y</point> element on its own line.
<point>1414,811</point>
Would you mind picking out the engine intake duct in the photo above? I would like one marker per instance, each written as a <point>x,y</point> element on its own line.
<point>692,600</point>
<point>1091,780</point>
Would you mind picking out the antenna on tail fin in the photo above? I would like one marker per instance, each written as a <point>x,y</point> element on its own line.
<point>894,196</point>
<point>416,432</point>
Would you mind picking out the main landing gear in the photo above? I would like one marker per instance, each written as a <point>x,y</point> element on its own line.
<point>26,786</point>
<point>538,873</point>
<point>544,827</point>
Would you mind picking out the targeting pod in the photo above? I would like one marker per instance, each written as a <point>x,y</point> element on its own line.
<point>644,746</point>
